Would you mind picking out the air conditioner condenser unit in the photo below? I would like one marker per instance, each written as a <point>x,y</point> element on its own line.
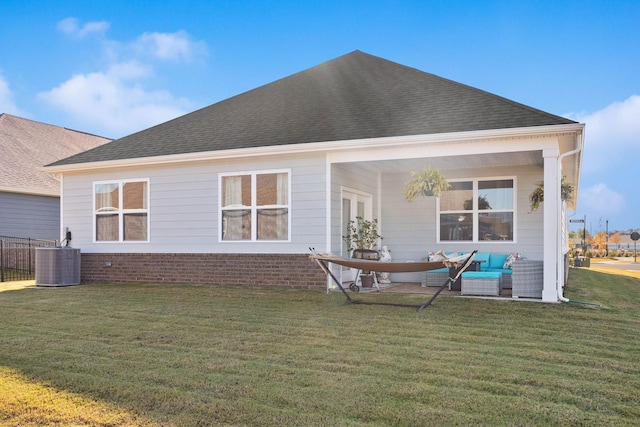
<point>57,266</point>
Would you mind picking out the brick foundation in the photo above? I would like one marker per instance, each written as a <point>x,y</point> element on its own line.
<point>284,270</point>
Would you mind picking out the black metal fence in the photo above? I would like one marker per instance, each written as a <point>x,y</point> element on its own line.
<point>18,257</point>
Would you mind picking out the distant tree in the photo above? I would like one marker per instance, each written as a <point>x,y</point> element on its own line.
<point>599,241</point>
<point>615,239</point>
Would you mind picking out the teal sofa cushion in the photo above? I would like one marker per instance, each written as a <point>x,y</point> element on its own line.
<point>497,260</point>
<point>481,275</point>
<point>500,270</point>
<point>482,256</point>
<point>439,270</point>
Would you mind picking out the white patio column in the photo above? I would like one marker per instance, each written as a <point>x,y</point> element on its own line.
<point>551,226</point>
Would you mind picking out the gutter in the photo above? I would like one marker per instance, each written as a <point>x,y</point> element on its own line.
<point>577,150</point>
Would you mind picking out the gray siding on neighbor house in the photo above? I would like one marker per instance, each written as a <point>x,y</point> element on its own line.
<point>183,206</point>
<point>27,215</point>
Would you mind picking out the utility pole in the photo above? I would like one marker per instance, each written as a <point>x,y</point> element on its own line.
<point>607,250</point>
<point>584,232</point>
<point>584,235</point>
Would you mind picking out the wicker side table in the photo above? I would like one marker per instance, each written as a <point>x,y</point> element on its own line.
<point>434,277</point>
<point>527,279</point>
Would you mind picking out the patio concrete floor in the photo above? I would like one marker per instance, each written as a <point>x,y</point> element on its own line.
<point>417,288</point>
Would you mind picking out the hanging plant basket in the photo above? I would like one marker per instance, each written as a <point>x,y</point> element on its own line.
<point>425,183</point>
<point>537,195</point>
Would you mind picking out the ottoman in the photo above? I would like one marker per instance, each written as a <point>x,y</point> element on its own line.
<point>481,283</point>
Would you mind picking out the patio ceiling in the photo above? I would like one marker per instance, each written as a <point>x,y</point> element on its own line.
<point>522,158</point>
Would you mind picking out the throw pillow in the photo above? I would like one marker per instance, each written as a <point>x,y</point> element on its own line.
<point>510,258</point>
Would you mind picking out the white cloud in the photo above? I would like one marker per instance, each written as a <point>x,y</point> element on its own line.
<point>169,46</point>
<point>600,200</point>
<point>618,123</point>
<point>612,134</point>
<point>612,147</point>
<point>7,105</point>
<point>70,26</point>
<point>130,70</point>
<point>114,101</point>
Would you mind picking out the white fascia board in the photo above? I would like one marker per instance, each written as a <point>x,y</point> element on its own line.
<point>397,142</point>
<point>433,150</point>
<point>457,144</point>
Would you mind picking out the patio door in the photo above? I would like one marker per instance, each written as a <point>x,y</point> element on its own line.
<point>354,204</point>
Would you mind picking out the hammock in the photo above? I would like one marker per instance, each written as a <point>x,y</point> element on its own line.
<point>382,266</point>
<point>457,264</point>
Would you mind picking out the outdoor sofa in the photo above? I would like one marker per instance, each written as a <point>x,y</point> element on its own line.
<point>522,276</point>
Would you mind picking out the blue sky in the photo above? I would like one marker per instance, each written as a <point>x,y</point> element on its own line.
<point>115,67</point>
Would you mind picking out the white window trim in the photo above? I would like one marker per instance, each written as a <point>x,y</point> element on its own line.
<point>253,207</point>
<point>475,211</point>
<point>121,211</point>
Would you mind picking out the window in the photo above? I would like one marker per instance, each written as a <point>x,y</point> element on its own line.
<point>477,210</point>
<point>121,211</point>
<point>255,206</point>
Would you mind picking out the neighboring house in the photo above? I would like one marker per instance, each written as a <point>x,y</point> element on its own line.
<point>29,197</point>
<point>237,192</point>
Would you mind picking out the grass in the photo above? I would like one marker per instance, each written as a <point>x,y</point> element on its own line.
<point>188,355</point>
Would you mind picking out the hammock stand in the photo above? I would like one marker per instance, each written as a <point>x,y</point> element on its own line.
<point>460,264</point>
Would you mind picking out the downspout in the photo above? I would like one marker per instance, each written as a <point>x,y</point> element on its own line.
<point>578,149</point>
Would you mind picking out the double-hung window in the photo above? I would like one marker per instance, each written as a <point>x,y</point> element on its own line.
<point>255,206</point>
<point>121,211</point>
<point>476,210</point>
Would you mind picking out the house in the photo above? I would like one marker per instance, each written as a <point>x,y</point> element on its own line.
<point>29,197</point>
<point>237,192</point>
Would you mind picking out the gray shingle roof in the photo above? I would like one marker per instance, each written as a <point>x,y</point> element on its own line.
<point>27,145</point>
<point>354,96</point>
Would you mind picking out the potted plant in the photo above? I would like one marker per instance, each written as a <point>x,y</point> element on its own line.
<point>537,195</point>
<point>425,183</point>
<point>362,234</point>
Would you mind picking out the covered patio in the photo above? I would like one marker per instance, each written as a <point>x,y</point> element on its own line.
<point>525,157</point>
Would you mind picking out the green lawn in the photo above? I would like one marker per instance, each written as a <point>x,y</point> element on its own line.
<point>188,355</point>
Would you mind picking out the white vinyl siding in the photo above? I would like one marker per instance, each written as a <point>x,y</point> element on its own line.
<point>184,208</point>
